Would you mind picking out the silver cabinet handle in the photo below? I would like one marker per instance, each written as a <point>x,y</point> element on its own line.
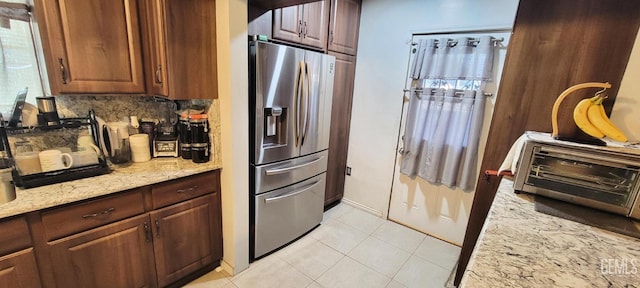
<point>159,74</point>
<point>331,37</point>
<point>105,212</point>
<point>300,28</point>
<point>304,189</point>
<point>63,71</point>
<point>276,171</point>
<point>147,232</point>
<point>304,35</point>
<point>188,189</point>
<point>157,222</point>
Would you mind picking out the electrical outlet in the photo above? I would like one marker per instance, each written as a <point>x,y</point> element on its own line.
<point>348,171</point>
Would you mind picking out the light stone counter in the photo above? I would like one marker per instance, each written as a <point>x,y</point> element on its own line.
<point>519,247</point>
<point>120,179</point>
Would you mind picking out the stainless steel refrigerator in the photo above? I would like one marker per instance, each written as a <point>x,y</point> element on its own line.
<point>290,92</point>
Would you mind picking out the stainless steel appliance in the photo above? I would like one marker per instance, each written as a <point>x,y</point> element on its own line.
<point>605,178</point>
<point>290,92</point>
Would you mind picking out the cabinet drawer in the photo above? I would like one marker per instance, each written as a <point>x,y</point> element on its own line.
<point>72,219</point>
<point>168,193</point>
<point>14,235</point>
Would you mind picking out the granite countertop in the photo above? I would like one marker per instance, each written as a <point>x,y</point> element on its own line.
<point>123,177</point>
<point>520,247</point>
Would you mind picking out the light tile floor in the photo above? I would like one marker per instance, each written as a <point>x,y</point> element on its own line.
<point>351,248</point>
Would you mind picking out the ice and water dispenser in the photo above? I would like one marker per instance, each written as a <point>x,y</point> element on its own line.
<point>275,126</point>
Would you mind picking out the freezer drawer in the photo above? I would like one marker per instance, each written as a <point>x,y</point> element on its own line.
<point>272,176</point>
<point>285,214</point>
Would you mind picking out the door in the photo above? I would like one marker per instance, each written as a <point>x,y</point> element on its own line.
<point>285,214</point>
<point>317,96</point>
<point>287,23</point>
<point>438,210</point>
<point>19,270</point>
<point>186,237</point>
<point>314,24</point>
<point>340,124</point>
<point>344,26</point>
<point>88,259</point>
<point>92,46</point>
<point>275,88</point>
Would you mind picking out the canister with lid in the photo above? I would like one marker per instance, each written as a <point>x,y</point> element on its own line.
<point>200,152</point>
<point>184,136</point>
<point>199,127</point>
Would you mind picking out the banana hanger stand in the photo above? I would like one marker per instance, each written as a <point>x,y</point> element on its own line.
<point>556,106</point>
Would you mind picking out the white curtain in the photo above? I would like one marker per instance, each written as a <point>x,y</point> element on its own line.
<point>446,109</point>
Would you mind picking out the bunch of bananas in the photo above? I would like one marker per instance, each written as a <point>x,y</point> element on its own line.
<point>590,117</point>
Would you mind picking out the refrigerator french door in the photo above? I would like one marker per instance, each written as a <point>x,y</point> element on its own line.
<point>290,104</point>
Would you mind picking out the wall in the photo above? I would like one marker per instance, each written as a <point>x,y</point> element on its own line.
<point>383,55</point>
<point>625,110</point>
<point>233,82</point>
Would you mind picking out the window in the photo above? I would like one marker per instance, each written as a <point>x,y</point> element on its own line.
<point>18,60</point>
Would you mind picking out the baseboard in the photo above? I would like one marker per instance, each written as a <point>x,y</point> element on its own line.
<point>227,268</point>
<point>362,207</point>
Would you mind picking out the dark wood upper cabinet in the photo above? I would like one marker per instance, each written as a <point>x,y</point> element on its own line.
<point>302,24</point>
<point>91,46</point>
<point>182,48</point>
<point>554,45</point>
<point>344,24</point>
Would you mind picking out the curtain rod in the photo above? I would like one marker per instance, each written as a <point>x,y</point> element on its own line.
<point>456,93</point>
<point>472,41</point>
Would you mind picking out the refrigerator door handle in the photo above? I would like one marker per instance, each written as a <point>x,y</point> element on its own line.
<point>307,94</point>
<point>304,189</point>
<point>296,103</point>
<point>276,171</point>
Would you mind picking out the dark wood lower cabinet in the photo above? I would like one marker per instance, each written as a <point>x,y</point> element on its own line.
<point>340,124</point>
<point>116,255</point>
<point>185,238</point>
<point>19,270</point>
<point>176,235</point>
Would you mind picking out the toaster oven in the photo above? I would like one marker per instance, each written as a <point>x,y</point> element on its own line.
<point>598,177</point>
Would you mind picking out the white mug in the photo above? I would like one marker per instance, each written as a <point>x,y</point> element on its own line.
<point>51,160</point>
<point>85,142</point>
<point>27,163</point>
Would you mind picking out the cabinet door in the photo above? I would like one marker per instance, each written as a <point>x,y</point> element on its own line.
<point>115,255</point>
<point>191,48</point>
<point>187,237</point>
<point>154,12</point>
<point>19,270</point>
<point>314,24</point>
<point>91,46</point>
<point>344,26</point>
<point>287,23</point>
<point>340,123</point>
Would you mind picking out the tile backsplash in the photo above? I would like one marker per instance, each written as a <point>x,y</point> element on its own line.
<point>115,108</point>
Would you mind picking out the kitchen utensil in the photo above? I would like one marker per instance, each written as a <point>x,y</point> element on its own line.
<point>51,160</point>
<point>149,128</point>
<point>17,108</point>
<point>85,142</point>
<point>28,162</point>
<point>7,189</point>
<point>84,157</point>
<point>139,147</point>
<point>29,115</point>
<point>48,112</point>
<point>117,142</point>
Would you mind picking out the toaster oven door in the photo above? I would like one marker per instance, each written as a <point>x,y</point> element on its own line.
<point>584,177</point>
